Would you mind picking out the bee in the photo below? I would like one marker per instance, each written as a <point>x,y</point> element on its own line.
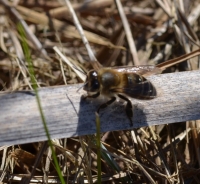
<point>120,82</point>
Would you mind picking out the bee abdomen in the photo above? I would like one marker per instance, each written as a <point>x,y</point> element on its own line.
<point>137,86</point>
<point>148,90</point>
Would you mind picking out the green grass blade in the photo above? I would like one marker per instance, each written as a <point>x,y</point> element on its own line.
<point>98,143</point>
<point>34,85</point>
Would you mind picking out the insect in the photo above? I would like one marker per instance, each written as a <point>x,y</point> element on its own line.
<point>121,82</point>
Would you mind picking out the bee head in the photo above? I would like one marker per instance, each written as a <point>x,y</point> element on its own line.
<point>92,83</point>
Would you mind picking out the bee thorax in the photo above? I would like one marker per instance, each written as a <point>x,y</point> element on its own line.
<point>109,79</point>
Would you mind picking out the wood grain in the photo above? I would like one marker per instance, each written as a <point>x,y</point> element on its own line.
<point>67,115</point>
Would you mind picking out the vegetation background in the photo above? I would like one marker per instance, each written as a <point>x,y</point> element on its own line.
<point>156,31</point>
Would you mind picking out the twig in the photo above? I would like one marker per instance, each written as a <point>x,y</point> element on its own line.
<point>128,33</point>
<point>64,58</point>
<point>80,30</point>
<point>177,60</point>
<point>33,38</point>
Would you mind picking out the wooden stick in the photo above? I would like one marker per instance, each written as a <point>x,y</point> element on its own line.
<point>66,115</point>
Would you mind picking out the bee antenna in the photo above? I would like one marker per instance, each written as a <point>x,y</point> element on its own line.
<point>83,72</point>
<point>81,87</point>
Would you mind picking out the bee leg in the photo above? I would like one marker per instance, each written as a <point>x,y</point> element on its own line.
<point>104,105</point>
<point>91,96</point>
<point>129,111</point>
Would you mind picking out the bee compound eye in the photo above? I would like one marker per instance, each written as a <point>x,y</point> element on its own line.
<point>92,74</point>
<point>94,85</point>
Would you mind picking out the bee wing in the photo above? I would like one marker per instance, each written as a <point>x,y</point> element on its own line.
<point>144,70</point>
<point>143,90</point>
<point>135,86</point>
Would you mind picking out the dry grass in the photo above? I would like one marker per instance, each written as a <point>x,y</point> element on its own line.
<point>161,30</point>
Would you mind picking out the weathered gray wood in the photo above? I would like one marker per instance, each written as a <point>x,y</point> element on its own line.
<point>178,100</point>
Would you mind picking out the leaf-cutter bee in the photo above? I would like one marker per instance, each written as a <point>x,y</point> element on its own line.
<point>121,82</point>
